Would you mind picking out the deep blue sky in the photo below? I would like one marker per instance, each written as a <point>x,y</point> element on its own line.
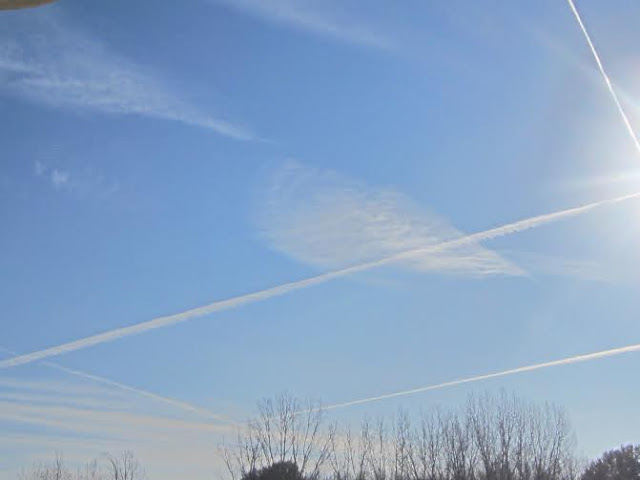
<point>158,157</point>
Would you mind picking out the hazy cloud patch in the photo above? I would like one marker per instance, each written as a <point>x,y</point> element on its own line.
<point>46,61</point>
<point>325,220</point>
<point>85,421</point>
<point>84,182</point>
<point>328,19</point>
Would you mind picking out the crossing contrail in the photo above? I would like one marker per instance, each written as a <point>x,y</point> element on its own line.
<point>203,412</point>
<point>179,404</point>
<point>605,76</point>
<point>261,295</point>
<point>479,378</point>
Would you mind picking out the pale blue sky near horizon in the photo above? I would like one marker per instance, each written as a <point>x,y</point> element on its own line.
<point>156,158</point>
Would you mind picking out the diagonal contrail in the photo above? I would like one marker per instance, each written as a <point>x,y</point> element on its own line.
<point>606,78</point>
<point>479,378</point>
<point>260,295</point>
<point>538,366</point>
<point>128,388</point>
<point>203,412</point>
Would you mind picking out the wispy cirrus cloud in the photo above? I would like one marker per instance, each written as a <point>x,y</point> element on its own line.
<point>39,416</point>
<point>47,61</point>
<point>325,220</point>
<point>328,19</point>
<point>118,388</point>
<point>555,266</point>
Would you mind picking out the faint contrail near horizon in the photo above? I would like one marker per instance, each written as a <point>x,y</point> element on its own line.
<point>144,393</point>
<point>605,76</point>
<point>260,295</point>
<point>504,373</point>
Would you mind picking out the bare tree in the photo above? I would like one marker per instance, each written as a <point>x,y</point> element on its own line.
<point>403,445</point>
<point>125,466</point>
<point>284,430</point>
<point>379,451</point>
<point>426,450</point>
<point>56,470</point>
<point>90,471</point>
<point>492,438</point>
<point>350,453</point>
<point>520,441</point>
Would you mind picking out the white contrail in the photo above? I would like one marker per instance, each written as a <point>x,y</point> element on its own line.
<point>260,295</point>
<point>504,373</point>
<point>203,412</point>
<point>607,81</point>
<point>144,393</point>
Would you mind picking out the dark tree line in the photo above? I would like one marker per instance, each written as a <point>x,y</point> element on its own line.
<point>619,464</point>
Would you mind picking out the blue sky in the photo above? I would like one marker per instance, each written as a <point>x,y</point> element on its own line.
<point>156,159</point>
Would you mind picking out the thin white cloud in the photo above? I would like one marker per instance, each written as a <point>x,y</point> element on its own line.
<point>117,386</point>
<point>478,378</point>
<point>59,399</point>
<point>42,415</point>
<point>328,19</point>
<point>40,168</point>
<point>46,61</point>
<point>260,295</point>
<point>622,179</point>
<point>84,182</point>
<point>52,387</point>
<point>86,423</point>
<point>548,265</point>
<point>59,178</point>
<point>182,405</point>
<point>325,220</point>
<point>105,421</point>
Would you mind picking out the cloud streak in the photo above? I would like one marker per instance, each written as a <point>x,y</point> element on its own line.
<point>312,17</point>
<point>89,424</point>
<point>234,302</point>
<point>605,76</point>
<point>179,404</point>
<point>488,376</point>
<point>73,71</point>
<point>202,412</point>
<point>546,265</point>
<point>325,220</point>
